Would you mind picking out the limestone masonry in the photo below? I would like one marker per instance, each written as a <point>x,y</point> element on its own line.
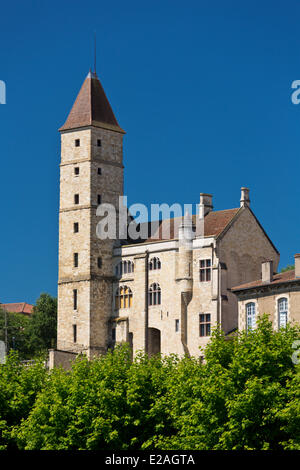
<point>161,294</point>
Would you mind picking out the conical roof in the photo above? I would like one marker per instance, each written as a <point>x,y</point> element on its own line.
<point>91,108</point>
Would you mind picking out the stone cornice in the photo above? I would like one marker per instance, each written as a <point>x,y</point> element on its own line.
<point>92,160</point>
<point>87,277</point>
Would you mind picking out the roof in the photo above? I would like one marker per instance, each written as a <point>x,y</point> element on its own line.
<point>281,278</point>
<point>214,224</point>
<point>20,307</point>
<point>91,107</point>
<point>216,221</point>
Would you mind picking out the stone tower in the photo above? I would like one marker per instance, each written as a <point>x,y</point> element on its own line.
<point>91,172</point>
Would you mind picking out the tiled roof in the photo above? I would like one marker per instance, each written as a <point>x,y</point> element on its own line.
<point>91,107</point>
<point>214,224</point>
<point>21,307</point>
<point>280,278</point>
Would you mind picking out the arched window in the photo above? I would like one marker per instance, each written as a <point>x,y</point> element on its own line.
<point>154,294</point>
<point>123,297</point>
<point>250,316</point>
<point>282,312</point>
<point>154,263</point>
<point>124,267</point>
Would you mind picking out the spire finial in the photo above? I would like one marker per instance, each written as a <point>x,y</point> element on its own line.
<point>95,52</point>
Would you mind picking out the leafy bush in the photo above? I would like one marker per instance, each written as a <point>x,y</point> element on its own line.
<point>245,396</point>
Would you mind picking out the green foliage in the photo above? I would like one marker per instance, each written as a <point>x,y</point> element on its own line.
<point>244,396</point>
<point>34,334</point>
<point>289,267</point>
<point>19,385</point>
<point>17,332</point>
<point>42,327</point>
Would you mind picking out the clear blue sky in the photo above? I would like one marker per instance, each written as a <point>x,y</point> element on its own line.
<point>202,88</point>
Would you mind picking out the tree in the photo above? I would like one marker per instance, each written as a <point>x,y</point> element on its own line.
<point>17,332</point>
<point>244,396</point>
<point>289,267</point>
<point>42,327</point>
<point>19,386</point>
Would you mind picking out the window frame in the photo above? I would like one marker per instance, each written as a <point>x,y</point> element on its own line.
<point>123,297</point>
<point>75,299</point>
<point>205,270</point>
<point>154,294</point>
<point>250,309</point>
<point>204,325</point>
<point>280,311</point>
<point>74,333</point>
<point>154,263</point>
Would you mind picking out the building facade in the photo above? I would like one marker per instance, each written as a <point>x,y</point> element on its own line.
<point>160,293</point>
<point>277,295</point>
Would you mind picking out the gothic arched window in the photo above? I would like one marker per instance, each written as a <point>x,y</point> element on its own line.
<point>282,312</point>
<point>154,294</point>
<point>250,315</point>
<point>154,263</point>
<point>123,297</point>
<point>124,267</point>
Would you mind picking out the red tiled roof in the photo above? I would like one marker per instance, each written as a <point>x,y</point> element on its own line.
<point>91,107</point>
<point>214,224</point>
<point>21,307</point>
<point>280,278</point>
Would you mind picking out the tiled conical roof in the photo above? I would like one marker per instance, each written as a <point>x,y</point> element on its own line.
<point>91,108</point>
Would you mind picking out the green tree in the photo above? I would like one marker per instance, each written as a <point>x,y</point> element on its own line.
<point>19,386</point>
<point>289,267</point>
<point>42,327</point>
<point>240,398</point>
<point>244,396</point>
<point>17,332</point>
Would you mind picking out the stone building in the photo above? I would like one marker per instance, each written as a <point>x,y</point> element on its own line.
<point>277,295</point>
<point>162,293</point>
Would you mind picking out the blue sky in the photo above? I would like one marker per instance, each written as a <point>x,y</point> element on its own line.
<point>202,88</point>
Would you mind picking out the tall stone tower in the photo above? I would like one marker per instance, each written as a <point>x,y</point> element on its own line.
<point>91,172</point>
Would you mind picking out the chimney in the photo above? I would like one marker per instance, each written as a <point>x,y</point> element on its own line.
<point>267,271</point>
<point>205,205</point>
<point>297,265</point>
<point>245,201</point>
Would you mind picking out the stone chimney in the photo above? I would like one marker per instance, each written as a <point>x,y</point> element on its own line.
<point>297,265</point>
<point>267,271</point>
<point>245,201</point>
<point>205,205</point>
